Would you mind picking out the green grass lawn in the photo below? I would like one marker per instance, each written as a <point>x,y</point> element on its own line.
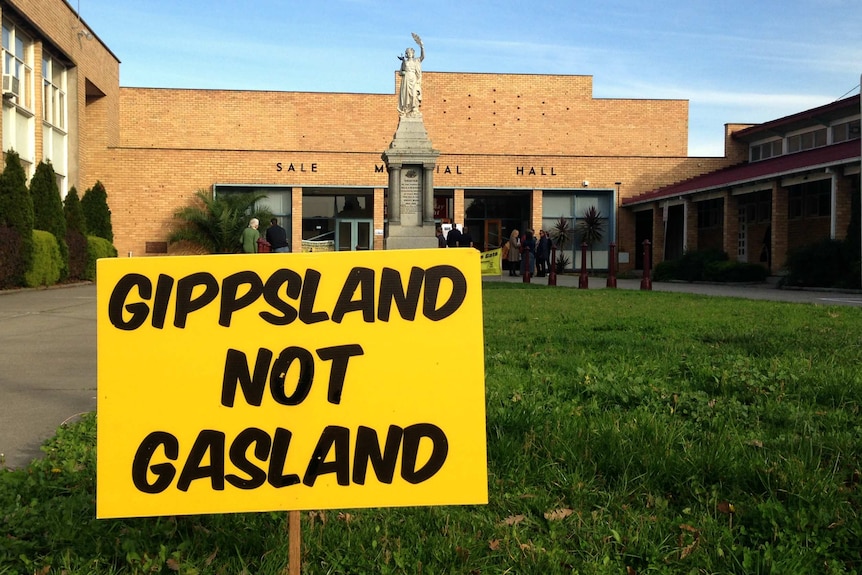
<point>628,432</point>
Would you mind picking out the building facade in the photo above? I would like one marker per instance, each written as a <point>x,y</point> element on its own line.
<point>795,187</point>
<point>517,151</point>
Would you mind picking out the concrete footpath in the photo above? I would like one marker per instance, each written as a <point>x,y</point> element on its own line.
<point>48,351</point>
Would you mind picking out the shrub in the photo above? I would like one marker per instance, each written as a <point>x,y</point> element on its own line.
<point>16,213</point>
<point>827,263</point>
<point>734,272</point>
<point>76,234</point>
<point>97,248</point>
<point>96,212</point>
<point>47,261</point>
<point>10,246</point>
<point>48,210</point>
<point>690,267</point>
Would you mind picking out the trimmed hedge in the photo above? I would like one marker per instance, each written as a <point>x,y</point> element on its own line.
<point>47,261</point>
<point>709,265</point>
<point>97,248</point>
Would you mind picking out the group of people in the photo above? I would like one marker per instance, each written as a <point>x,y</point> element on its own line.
<point>528,255</point>
<point>456,238</point>
<point>275,238</point>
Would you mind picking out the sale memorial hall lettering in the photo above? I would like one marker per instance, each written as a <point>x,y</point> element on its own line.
<point>286,382</point>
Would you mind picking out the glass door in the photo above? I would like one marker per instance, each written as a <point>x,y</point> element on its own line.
<point>354,234</point>
<point>493,235</point>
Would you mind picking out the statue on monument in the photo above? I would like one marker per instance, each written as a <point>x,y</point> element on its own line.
<point>410,96</point>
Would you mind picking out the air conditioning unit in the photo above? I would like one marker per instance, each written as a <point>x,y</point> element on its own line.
<point>11,86</point>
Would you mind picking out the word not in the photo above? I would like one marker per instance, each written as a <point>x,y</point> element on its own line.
<point>237,291</point>
<point>279,167</point>
<point>211,447</point>
<point>236,371</point>
<point>521,170</point>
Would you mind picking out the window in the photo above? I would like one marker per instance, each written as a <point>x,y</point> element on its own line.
<point>845,131</point>
<point>19,132</point>
<point>710,213</point>
<point>766,150</point>
<point>810,200</point>
<point>16,49</point>
<point>806,140</point>
<point>54,136</point>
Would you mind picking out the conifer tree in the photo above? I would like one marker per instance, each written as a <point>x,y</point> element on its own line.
<point>48,210</point>
<point>16,223</point>
<point>76,234</point>
<point>96,212</point>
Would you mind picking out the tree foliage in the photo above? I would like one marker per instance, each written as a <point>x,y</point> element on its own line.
<point>16,222</point>
<point>96,212</point>
<point>216,224</point>
<point>76,234</point>
<point>48,210</point>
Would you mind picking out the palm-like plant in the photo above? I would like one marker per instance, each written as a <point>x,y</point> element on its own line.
<point>591,229</point>
<point>560,236</point>
<point>216,224</point>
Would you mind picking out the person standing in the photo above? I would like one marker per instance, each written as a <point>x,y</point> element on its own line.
<point>453,238</point>
<point>249,238</point>
<point>466,240</point>
<point>441,239</point>
<point>514,253</point>
<point>543,254</point>
<point>277,237</point>
<point>528,253</point>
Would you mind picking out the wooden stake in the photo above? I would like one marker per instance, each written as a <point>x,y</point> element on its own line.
<point>294,535</point>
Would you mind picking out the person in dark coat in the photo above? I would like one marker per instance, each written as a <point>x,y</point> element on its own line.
<point>277,237</point>
<point>466,240</point>
<point>528,253</point>
<point>453,238</point>
<point>543,254</point>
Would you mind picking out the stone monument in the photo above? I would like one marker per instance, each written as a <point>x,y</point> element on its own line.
<point>410,161</point>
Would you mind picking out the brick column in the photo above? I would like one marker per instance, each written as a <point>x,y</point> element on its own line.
<point>536,212</point>
<point>731,225</point>
<point>458,209</point>
<point>690,225</point>
<point>779,226</point>
<point>657,235</point>
<point>296,220</point>
<point>379,203</point>
<point>842,188</point>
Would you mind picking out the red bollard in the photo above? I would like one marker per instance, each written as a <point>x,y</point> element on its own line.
<point>552,272</point>
<point>584,279</point>
<point>646,281</point>
<point>612,266</point>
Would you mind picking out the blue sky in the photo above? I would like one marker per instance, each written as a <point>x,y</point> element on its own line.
<point>735,61</point>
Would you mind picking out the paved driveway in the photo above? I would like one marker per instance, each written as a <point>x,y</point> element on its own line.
<point>48,368</point>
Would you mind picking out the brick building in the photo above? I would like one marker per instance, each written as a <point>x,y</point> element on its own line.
<point>516,150</point>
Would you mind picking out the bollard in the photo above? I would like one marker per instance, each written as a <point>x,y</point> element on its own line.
<point>612,266</point>
<point>583,279</point>
<point>552,272</point>
<point>646,281</point>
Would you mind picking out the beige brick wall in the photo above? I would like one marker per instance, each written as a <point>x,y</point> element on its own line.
<point>93,83</point>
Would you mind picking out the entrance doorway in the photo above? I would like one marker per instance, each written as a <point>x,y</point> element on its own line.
<point>493,237</point>
<point>354,235</point>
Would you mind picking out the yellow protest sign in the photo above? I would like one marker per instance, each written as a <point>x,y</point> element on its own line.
<point>490,262</point>
<point>233,383</point>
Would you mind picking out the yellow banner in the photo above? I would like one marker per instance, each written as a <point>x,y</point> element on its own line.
<point>234,383</point>
<point>490,262</point>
